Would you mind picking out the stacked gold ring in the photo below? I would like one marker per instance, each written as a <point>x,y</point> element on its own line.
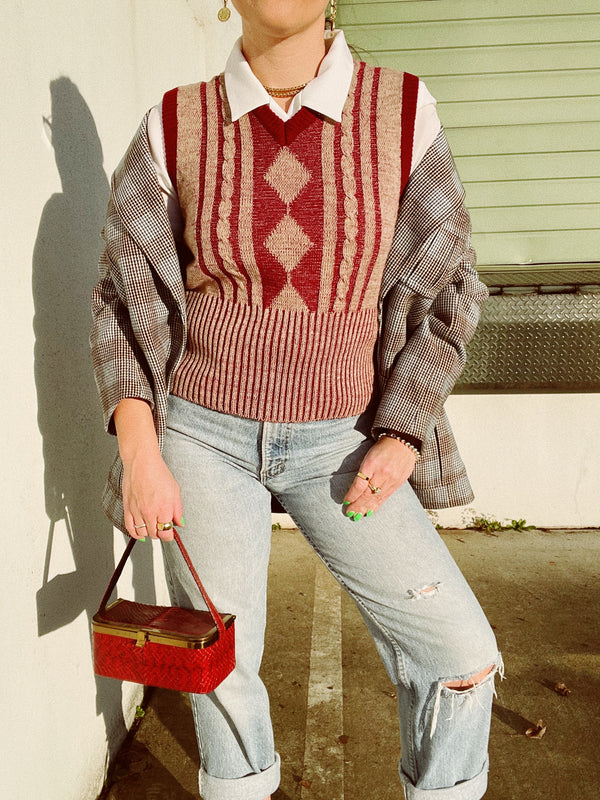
<point>372,487</point>
<point>164,526</point>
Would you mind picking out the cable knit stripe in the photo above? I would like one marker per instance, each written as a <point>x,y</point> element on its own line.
<point>209,198</point>
<point>190,128</point>
<point>245,240</point>
<point>330,215</point>
<point>223,228</point>
<point>372,282</point>
<point>366,220</point>
<point>350,204</point>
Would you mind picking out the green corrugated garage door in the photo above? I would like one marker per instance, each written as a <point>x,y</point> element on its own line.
<point>517,83</point>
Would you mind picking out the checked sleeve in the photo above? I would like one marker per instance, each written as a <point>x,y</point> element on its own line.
<point>432,301</point>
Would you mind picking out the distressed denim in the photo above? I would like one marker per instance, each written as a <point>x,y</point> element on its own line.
<point>426,623</point>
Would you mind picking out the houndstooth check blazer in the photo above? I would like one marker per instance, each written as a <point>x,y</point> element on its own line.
<point>429,306</point>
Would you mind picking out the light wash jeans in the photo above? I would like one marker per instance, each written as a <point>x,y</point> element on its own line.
<point>226,468</point>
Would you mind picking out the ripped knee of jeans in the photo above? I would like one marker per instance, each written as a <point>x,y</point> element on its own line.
<point>471,682</point>
<point>466,689</point>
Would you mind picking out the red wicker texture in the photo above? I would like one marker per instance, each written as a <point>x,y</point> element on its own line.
<point>180,668</point>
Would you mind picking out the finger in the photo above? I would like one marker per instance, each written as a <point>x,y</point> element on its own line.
<point>140,531</point>
<point>165,517</point>
<point>132,525</point>
<point>367,504</point>
<point>148,516</point>
<point>178,519</point>
<point>378,490</point>
<point>358,487</point>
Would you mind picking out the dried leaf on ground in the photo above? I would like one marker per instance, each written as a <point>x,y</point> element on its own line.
<point>561,688</point>
<point>343,739</point>
<point>537,731</point>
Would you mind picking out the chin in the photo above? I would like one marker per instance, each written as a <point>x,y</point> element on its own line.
<point>281,17</point>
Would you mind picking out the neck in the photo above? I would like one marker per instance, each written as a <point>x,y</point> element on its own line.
<point>284,61</point>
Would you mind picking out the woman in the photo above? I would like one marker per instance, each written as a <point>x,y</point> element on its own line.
<point>285,297</point>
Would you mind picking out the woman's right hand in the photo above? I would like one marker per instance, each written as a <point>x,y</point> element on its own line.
<point>150,493</point>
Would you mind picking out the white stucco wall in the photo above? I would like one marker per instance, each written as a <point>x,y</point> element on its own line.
<point>94,68</point>
<point>535,457</point>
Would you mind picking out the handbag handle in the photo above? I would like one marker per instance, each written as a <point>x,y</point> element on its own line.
<point>119,569</point>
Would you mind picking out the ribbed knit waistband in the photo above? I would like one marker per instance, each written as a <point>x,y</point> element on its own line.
<point>276,365</point>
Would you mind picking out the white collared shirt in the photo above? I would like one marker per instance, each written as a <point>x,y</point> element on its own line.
<point>326,94</point>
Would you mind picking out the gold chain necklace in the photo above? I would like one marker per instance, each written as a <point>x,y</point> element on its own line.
<point>289,92</point>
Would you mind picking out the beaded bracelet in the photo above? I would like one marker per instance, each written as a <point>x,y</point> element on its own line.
<point>410,446</point>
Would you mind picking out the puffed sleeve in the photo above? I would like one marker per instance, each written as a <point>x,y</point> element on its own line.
<point>431,298</point>
<point>120,367</point>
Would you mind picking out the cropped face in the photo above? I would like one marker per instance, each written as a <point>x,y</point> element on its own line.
<point>280,17</point>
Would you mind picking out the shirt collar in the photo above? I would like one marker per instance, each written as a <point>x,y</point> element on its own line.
<point>326,93</point>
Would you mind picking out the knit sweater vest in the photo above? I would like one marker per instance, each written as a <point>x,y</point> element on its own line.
<point>287,226</point>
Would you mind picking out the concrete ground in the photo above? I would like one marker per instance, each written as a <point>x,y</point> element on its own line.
<point>541,592</point>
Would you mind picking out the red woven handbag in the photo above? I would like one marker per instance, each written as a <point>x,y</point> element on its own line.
<point>167,646</point>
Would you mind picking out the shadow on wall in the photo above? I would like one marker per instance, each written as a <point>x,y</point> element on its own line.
<point>76,450</point>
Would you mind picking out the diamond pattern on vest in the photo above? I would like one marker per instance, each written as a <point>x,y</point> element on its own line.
<point>287,176</point>
<point>287,242</point>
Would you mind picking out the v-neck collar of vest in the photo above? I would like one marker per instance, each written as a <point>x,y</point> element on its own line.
<point>285,132</point>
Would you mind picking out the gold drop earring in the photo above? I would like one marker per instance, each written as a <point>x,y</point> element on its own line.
<point>224,13</point>
<point>332,13</point>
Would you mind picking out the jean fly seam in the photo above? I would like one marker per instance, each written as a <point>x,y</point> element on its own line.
<point>266,470</point>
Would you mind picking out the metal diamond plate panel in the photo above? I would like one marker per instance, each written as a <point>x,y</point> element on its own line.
<point>539,277</point>
<point>535,342</point>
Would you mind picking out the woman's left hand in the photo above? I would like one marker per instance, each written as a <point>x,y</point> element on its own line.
<point>387,465</point>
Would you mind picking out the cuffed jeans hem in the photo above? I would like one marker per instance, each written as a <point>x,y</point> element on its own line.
<point>250,787</point>
<point>472,789</point>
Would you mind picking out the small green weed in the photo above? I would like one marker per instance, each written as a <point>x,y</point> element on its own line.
<point>276,526</point>
<point>139,712</point>
<point>491,525</point>
<point>519,525</point>
<point>487,524</point>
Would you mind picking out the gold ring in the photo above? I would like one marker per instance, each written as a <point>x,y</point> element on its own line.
<point>143,525</point>
<point>363,476</point>
<point>374,489</point>
<point>164,526</point>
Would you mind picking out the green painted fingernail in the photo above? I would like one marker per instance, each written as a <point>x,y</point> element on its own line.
<point>350,514</point>
<point>182,522</point>
<point>368,514</point>
<point>346,502</point>
<point>357,517</point>
<point>143,540</point>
